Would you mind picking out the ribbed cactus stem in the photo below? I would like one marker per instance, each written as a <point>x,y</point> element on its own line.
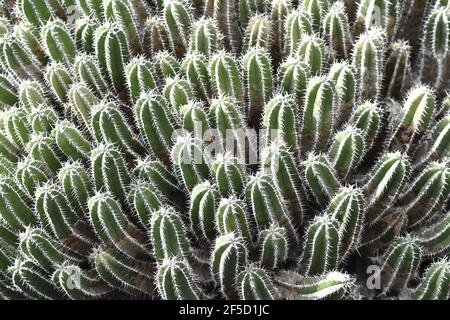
<point>435,284</point>
<point>345,88</point>
<point>368,118</point>
<point>144,199</point>
<point>273,247</point>
<point>229,174</point>
<point>435,238</point>
<point>195,68</point>
<point>59,80</point>
<point>140,77</point>
<point>255,284</point>
<point>58,42</point>
<point>204,201</point>
<point>225,76</point>
<point>293,78</point>
<point>257,33</point>
<point>232,217</point>
<point>336,29</point>
<point>31,174</point>
<point>298,24</point>
<point>204,37</point>
<point>178,21</point>
<point>71,141</point>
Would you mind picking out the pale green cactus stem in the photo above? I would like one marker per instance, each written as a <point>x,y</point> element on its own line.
<point>19,60</point>
<point>140,77</point>
<point>378,13</point>
<point>280,121</point>
<point>400,263</point>
<point>293,78</point>
<point>225,76</point>
<point>32,281</point>
<point>320,178</point>
<point>79,284</point>
<point>440,137</point>
<point>322,246</point>
<point>202,212</point>
<point>298,24</point>
<point>311,51</point>
<point>396,69</point>
<point>417,114</point>
<point>85,29</point>
<point>195,68</point>
<point>386,182</point>
<point>114,228</point>
<point>37,12</point>
<point>81,100</point>
<point>110,171</point>
<point>345,88</point>
<point>279,11</point>
<point>178,20</point>
<point>44,148</point>
<point>15,205</point>
<point>59,79</point>
<point>113,53</point>
<point>368,117</point>
<point>257,33</point>
<point>8,149</point>
<point>42,119</point>
<point>317,9</point>
<point>194,119</point>
<point>133,276</point>
<point>319,114</point>
<point>435,238</point>
<point>427,194</point>
<point>330,286</point>
<point>168,234</point>
<point>258,81</point>
<point>166,66</point>
<point>176,281</point>
<point>336,30</point>
<point>435,283</point>
<point>273,247</point>
<point>279,161</point>
<point>189,160</point>
<point>204,37</point>
<point>145,199</point>
<point>29,36</point>
<point>71,141</point>
<point>31,94</point>
<point>58,42</point>
<point>6,167</point>
<point>16,127</point>
<point>8,91</point>
<point>347,150</point>
<point>88,72</point>
<point>177,92</point>
<point>232,217</point>
<point>347,207</point>
<point>250,8</point>
<point>229,174</point>
<point>154,37</point>
<point>228,258</point>
<point>368,62</point>
<point>156,123</point>
<point>226,15</point>
<point>94,8</point>
<point>254,283</point>
<point>31,174</point>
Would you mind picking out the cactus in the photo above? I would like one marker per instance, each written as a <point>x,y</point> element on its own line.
<point>204,37</point>
<point>225,76</point>
<point>335,26</point>
<point>43,148</point>
<point>195,68</point>
<point>204,200</point>
<point>178,92</point>
<point>273,246</point>
<point>435,282</point>
<point>59,80</point>
<point>293,78</point>
<point>229,174</point>
<point>154,38</point>
<point>42,119</point>
<point>140,77</point>
<point>435,238</point>
<point>71,141</point>
<point>298,24</point>
<point>81,100</point>
<point>88,71</point>
<point>344,84</point>
<point>317,9</point>
<point>8,94</point>
<point>368,117</point>
<point>19,60</point>
<point>32,174</point>
<point>232,217</point>
<point>257,33</point>
<point>255,284</point>
<point>144,199</point>
<point>85,34</point>
<point>58,43</point>
<point>178,21</point>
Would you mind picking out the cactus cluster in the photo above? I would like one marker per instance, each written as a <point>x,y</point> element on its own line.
<point>226,149</point>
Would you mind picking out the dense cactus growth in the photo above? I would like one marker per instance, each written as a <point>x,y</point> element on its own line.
<point>224,149</point>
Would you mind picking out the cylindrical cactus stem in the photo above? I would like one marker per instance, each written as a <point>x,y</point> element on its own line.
<point>417,114</point>
<point>140,77</point>
<point>204,37</point>
<point>386,182</point>
<point>435,238</point>
<point>257,33</point>
<point>320,178</point>
<point>58,42</point>
<point>113,53</point>
<point>71,141</point>
<point>114,228</point>
<point>443,110</point>
<point>395,70</point>
<point>59,81</point>
<point>317,9</point>
<point>440,140</point>
<point>322,246</point>
<point>94,8</point>
<point>8,91</point>
<point>29,36</point>
<point>177,92</point>
<point>195,68</point>
<point>293,78</point>
<point>279,12</point>
<point>6,167</point>
<point>228,258</point>
<point>77,284</point>
<point>176,281</point>
<point>347,150</point>
<point>368,62</point>
<point>319,114</point>
<point>154,37</point>
<point>273,247</point>
<point>85,29</point>
<point>194,119</point>
<point>17,127</point>
<point>232,217</point>
<point>336,30</point>
<point>32,174</point>
<point>347,207</point>
<point>31,94</point>
<point>203,208</point>
<point>189,160</point>
<point>43,119</point>
<point>110,126</point>
<point>225,76</point>
<point>400,263</point>
<point>32,281</point>
<point>15,205</point>
<point>229,174</point>
<point>249,9</point>
<point>225,12</point>
<point>279,161</point>
<point>254,283</point>
<point>110,171</point>
<point>298,24</point>
<point>43,148</point>
<point>427,194</point>
<point>345,87</point>
<point>88,71</point>
<point>19,60</point>
<point>37,12</point>
<point>156,123</point>
<point>367,117</point>
<point>435,283</point>
<point>311,51</point>
<point>77,185</point>
<point>81,101</point>
<point>178,20</point>
<point>258,82</point>
<point>166,66</point>
<point>145,199</point>
<point>168,234</point>
<point>133,276</point>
